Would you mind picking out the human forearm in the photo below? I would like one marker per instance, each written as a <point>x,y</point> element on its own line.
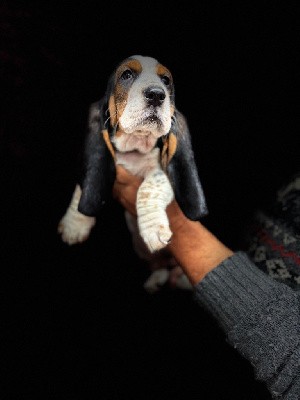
<point>196,249</point>
<point>260,318</point>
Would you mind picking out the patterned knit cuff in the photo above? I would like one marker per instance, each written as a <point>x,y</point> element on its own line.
<point>274,236</point>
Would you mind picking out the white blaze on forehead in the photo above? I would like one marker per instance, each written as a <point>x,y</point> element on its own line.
<point>148,75</point>
<point>145,59</point>
<point>136,110</point>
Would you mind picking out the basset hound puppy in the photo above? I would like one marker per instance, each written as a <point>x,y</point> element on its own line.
<point>137,124</point>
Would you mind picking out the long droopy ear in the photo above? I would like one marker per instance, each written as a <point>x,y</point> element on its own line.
<point>182,170</point>
<point>98,172</point>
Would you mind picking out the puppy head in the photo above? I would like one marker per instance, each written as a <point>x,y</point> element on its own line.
<point>141,101</point>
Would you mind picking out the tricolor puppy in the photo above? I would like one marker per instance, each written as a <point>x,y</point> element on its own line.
<point>137,124</point>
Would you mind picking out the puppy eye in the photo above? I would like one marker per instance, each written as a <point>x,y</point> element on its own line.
<point>166,80</point>
<point>127,74</point>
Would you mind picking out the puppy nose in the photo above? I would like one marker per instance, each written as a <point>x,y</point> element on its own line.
<point>154,95</point>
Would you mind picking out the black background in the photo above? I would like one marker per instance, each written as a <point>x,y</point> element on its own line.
<point>79,325</point>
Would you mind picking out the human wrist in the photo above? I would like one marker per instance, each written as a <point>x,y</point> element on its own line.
<point>194,247</point>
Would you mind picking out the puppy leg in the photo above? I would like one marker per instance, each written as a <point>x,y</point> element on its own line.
<point>139,245</point>
<point>165,269</point>
<point>75,227</point>
<point>153,196</point>
<point>157,262</point>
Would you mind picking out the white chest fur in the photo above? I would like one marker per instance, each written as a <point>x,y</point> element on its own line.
<point>153,196</point>
<point>138,163</point>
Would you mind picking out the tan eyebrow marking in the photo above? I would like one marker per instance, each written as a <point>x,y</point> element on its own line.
<point>161,70</point>
<point>118,100</point>
<point>135,65</point>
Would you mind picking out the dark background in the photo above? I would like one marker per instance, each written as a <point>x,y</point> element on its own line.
<point>79,325</point>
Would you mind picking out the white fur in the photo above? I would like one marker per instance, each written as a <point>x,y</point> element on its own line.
<point>156,280</point>
<point>161,276</point>
<point>133,118</point>
<point>153,196</point>
<point>139,164</point>
<point>75,227</point>
<point>143,142</point>
<point>136,151</point>
<point>164,266</point>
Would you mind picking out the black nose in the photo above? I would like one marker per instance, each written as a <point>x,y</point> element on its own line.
<point>154,95</point>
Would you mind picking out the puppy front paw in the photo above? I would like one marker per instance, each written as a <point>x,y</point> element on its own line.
<point>155,232</point>
<point>75,227</point>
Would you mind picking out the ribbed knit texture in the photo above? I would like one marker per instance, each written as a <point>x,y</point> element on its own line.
<point>260,318</point>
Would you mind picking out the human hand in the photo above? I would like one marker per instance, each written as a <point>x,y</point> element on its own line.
<point>196,249</point>
<point>125,189</point>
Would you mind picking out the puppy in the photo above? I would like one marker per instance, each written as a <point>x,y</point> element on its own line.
<point>137,124</point>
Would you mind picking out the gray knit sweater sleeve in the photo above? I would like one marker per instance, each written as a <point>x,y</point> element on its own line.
<point>261,319</point>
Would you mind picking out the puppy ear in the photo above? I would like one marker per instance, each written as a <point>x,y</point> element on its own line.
<point>182,170</point>
<point>98,169</point>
